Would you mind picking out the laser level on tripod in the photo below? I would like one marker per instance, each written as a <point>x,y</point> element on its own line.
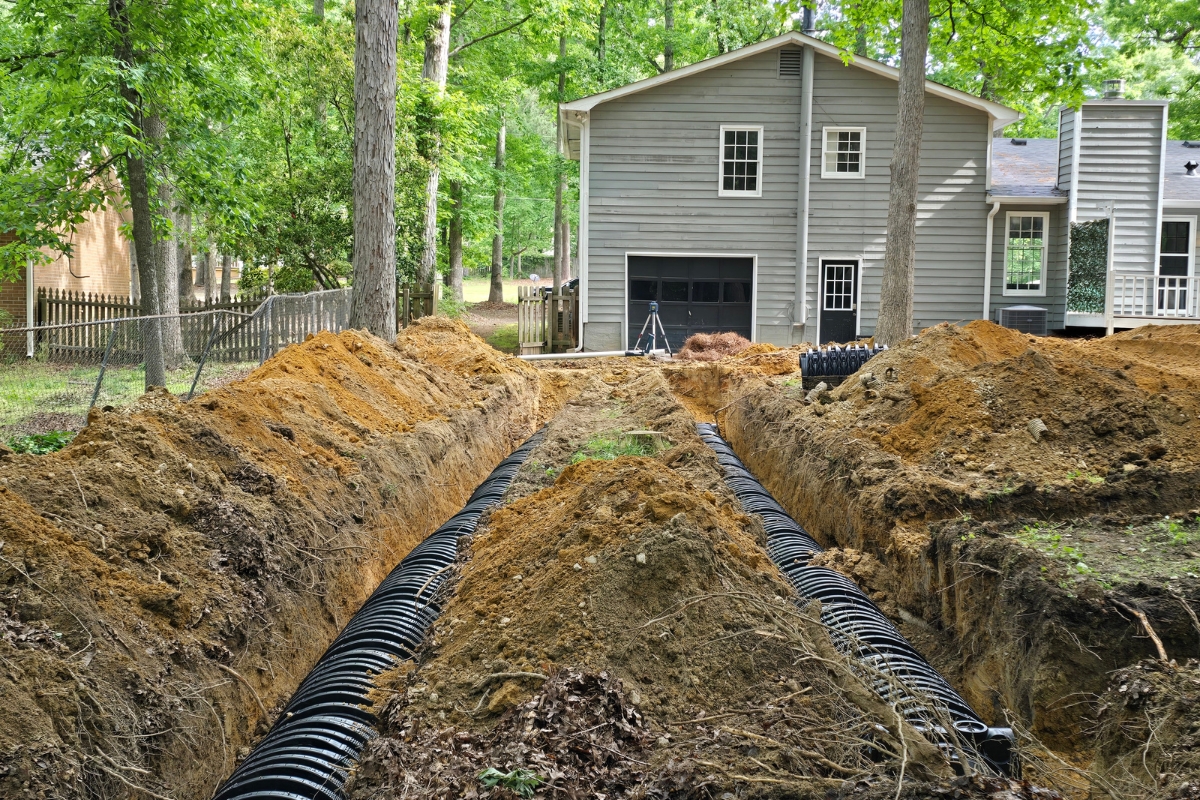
<point>653,326</point>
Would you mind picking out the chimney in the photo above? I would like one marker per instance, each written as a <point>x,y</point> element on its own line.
<point>809,24</point>
<point>1191,169</point>
<point>1114,89</point>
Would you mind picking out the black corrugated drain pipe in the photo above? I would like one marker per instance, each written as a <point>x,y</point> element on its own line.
<point>323,729</point>
<point>896,671</point>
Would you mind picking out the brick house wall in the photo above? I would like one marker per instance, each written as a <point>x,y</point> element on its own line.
<point>12,296</point>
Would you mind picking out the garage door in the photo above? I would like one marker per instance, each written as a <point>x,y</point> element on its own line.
<point>694,295</point>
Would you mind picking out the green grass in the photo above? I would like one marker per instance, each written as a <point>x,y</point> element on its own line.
<point>36,397</point>
<point>39,444</point>
<point>505,338</point>
<point>608,447</point>
<point>476,290</point>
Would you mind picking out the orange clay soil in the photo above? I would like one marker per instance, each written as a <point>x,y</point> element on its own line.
<point>167,579</point>
<point>618,631</point>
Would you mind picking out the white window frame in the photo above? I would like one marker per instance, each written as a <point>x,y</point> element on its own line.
<point>826,171</point>
<point>721,190</point>
<point>1193,235</point>
<point>1041,292</point>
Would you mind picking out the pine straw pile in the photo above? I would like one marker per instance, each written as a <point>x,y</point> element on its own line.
<point>620,632</point>
<point>168,578</point>
<point>712,346</point>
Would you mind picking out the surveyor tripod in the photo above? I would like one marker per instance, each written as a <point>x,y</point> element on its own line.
<point>654,325</point>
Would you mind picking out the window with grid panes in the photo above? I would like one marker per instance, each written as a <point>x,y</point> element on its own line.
<point>842,155</point>
<point>1025,254</point>
<point>741,161</point>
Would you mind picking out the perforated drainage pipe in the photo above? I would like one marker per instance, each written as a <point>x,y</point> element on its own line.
<point>328,721</point>
<point>897,672</point>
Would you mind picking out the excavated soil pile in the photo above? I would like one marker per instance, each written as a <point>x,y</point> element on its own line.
<point>618,631</point>
<point>167,579</point>
<point>953,471</point>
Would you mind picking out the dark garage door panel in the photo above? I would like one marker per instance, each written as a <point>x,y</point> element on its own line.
<point>695,295</point>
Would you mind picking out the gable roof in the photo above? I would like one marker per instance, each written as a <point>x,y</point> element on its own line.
<point>1002,115</point>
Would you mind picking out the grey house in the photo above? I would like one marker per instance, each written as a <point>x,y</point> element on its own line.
<point>690,184</point>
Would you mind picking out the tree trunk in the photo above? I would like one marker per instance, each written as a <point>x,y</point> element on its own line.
<point>183,255</point>
<point>602,42</point>
<point>135,288</point>
<point>456,240</point>
<point>899,263</point>
<point>566,237</point>
<point>319,9</point>
<point>226,278</point>
<point>433,73</point>
<point>166,265</point>
<point>719,29</point>
<point>496,292</point>
<point>668,35</point>
<point>373,299</point>
<point>558,163</point>
<point>139,202</point>
<point>210,272</point>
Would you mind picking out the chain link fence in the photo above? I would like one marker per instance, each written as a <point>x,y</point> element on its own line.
<point>52,375</point>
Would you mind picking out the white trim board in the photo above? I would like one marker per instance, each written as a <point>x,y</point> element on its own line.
<point>683,254</point>
<point>760,146</point>
<point>1003,115</point>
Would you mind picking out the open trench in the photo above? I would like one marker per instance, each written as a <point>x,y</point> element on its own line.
<point>1024,637</point>
<point>623,597</point>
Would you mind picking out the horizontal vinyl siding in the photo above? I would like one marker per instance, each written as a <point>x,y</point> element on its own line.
<point>1119,161</point>
<point>1066,146</point>
<point>654,180</point>
<point>1056,263</point>
<point>848,218</point>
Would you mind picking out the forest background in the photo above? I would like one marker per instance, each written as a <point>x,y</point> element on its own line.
<point>239,114</point>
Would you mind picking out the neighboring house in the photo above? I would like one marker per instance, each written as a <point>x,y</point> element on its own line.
<point>99,264</point>
<point>690,183</point>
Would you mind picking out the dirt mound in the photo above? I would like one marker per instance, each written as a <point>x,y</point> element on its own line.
<point>167,579</point>
<point>618,630</point>
<point>712,346</point>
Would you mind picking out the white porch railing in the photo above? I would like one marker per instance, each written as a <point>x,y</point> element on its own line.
<point>1140,295</point>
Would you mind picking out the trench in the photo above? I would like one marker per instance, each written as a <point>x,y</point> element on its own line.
<point>324,727</point>
<point>895,670</point>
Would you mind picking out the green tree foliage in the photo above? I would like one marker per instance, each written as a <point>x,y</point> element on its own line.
<point>1159,56</point>
<point>68,125</point>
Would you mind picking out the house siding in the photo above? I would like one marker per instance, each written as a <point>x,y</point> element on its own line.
<point>100,263</point>
<point>1120,160</point>
<point>1055,299</point>
<point>848,218</point>
<point>653,172</point>
<point>12,296</point>
<point>1066,147</point>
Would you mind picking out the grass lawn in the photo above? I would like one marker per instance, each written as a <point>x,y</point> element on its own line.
<point>475,290</point>
<point>37,396</point>
<point>504,338</point>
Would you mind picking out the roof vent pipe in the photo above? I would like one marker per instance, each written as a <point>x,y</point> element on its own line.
<point>1191,168</point>
<point>1114,89</point>
<point>809,24</point>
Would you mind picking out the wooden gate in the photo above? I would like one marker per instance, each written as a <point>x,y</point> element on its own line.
<point>547,322</point>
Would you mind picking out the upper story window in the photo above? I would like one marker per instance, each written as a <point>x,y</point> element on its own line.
<point>842,152</point>
<point>741,161</point>
<point>1025,253</point>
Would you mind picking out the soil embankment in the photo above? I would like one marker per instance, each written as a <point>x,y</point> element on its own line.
<point>1014,553</point>
<point>168,578</point>
<point>617,630</point>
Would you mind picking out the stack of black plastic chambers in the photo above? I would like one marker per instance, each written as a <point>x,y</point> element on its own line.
<point>835,361</point>
<point>857,627</point>
<point>328,721</point>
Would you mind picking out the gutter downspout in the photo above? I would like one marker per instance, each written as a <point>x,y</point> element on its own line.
<point>581,234</point>
<point>30,308</point>
<point>987,262</point>
<point>800,303</point>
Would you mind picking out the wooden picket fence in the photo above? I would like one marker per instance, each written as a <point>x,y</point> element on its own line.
<point>547,323</point>
<point>414,301</point>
